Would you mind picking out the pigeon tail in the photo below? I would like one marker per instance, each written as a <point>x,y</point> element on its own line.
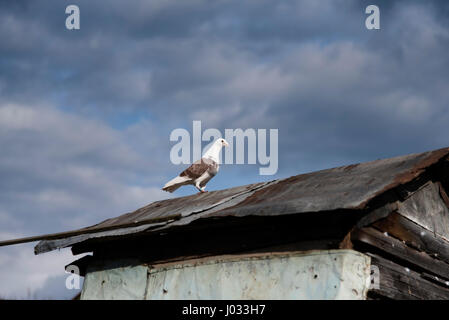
<point>175,183</point>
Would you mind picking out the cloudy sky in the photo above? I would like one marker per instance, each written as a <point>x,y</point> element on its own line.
<point>86,115</point>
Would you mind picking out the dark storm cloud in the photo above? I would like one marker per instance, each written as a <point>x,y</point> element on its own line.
<point>144,52</point>
<point>197,56</point>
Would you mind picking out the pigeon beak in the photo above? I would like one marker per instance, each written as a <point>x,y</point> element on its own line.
<point>226,144</point>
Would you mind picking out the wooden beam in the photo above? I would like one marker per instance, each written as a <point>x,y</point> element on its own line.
<point>414,235</point>
<point>399,250</point>
<point>377,214</point>
<point>397,282</point>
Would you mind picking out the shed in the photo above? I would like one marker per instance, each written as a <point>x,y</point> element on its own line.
<point>374,230</point>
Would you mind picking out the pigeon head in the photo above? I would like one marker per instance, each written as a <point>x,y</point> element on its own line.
<point>214,150</point>
<point>223,142</point>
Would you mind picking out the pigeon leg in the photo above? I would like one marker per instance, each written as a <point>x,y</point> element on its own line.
<point>197,185</point>
<point>201,190</point>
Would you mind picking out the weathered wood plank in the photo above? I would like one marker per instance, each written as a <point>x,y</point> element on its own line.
<point>443,194</point>
<point>398,282</point>
<point>399,250</point>
<point>377,214</point>
<point>427,208</point>
<point>414,235</point>
<point>435,279</point>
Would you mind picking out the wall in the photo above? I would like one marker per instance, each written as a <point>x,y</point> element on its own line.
<point>324,274</point>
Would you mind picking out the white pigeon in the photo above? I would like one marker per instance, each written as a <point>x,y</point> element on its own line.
<point>201,171</point>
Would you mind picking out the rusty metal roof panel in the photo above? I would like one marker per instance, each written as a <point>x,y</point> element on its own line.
<point>183,206</point>
<point>347,187</point>
<point>149,217</point>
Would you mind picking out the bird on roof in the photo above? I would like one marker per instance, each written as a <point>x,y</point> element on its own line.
<point>201,171</point>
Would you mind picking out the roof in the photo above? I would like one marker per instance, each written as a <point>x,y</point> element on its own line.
<point>348,187</point>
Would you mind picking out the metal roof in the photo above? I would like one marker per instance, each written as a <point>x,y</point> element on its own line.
<point>347,187</point>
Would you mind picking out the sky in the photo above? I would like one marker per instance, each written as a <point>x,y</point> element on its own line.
<point>86,115</point>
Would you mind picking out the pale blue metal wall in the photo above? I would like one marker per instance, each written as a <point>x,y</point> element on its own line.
<point>324,274</point>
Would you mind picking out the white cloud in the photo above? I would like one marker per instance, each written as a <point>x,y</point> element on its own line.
<point>22,273</point>
<point>61,171</point>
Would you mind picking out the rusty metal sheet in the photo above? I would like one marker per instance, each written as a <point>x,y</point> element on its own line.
<point>191,209</point>
<point>49,245</point>
<point>184,205</point>
<point>347,187</point>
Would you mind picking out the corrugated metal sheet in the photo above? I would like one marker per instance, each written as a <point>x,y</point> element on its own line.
<point>347,187</point>
<point>333,274</point>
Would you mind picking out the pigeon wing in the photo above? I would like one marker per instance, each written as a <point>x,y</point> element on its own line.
<point>197,169</point>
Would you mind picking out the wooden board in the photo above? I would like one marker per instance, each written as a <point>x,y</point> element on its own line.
<point>397,282</point>
<point>414,235</point>
<point>399,251</point>
<point>427,208</point>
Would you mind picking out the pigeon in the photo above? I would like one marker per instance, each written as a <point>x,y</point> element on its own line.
<point>201,171</point>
